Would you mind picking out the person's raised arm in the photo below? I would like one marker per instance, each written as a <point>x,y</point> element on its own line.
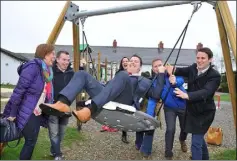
<point>203,94</point>
<point>178,71</point>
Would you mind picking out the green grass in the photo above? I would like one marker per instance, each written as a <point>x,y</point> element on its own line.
<point>42,148</point>
<point>224,97</point>
<point>7,86</point>
<point>229,154</point>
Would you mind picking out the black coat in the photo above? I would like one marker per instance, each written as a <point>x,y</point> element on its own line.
<point>61,79</point>
<point>201,108</point>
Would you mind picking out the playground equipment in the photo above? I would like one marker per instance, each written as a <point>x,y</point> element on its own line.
<point>226,27</point>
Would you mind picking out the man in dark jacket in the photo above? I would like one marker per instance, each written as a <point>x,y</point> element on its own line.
<point>57,125</point>
<point>126,88</point>
<point>203,81</point>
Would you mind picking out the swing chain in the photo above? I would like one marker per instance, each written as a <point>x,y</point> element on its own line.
<point>83,19</point>
<point>196,6</point>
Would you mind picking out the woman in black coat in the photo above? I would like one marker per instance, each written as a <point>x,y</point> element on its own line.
<point>203,81</point>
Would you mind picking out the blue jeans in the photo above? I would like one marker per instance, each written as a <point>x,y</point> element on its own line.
<point>144,141</point>
<point>199,147</point>
<point>57,127</point>
<point>30,133</point>
<point>170,119</point>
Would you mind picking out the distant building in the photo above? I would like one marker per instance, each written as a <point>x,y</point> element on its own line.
<point>10,61</point>
<point>115,53</point>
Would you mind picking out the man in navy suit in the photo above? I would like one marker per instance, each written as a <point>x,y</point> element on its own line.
<point>127,87</point>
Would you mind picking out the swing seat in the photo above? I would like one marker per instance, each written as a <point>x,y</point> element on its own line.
<point>117,115</point>
<point>125,118</point>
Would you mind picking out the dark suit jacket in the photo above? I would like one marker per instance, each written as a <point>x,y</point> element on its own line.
<point>144,84</point>
<point>200,111</point>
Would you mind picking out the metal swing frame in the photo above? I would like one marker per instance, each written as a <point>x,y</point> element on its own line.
<point>225,21</point>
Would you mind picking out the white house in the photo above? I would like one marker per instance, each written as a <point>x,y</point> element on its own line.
<point>9,64</point>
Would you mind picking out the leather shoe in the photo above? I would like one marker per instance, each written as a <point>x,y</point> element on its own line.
<point>82,115</point>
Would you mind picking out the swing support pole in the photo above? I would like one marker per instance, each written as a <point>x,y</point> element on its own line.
<point>128,8</point>
<point>224,33</point>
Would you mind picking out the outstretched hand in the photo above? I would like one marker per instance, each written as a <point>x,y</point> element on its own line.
<point>181,94</point>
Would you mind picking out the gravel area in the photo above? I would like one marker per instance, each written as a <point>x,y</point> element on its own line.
<point>108,146</point>
<point>225,119</point>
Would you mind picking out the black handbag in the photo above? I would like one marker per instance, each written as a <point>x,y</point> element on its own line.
<point>9,131</point>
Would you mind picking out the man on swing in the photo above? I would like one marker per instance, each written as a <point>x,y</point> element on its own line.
<point>127,87</point>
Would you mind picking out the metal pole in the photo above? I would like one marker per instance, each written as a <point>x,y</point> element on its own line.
<point>128,8</point>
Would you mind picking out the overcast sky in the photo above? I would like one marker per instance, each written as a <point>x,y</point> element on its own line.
<point>24,25</point>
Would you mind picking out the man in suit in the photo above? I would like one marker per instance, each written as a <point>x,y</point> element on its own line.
<point>127,87</point>
<point>203,81</point>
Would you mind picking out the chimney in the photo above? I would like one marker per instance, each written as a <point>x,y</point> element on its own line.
<point>114,46</point>
<point>199,46</point>
<point>161,46</point>
<point>114,43</point>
